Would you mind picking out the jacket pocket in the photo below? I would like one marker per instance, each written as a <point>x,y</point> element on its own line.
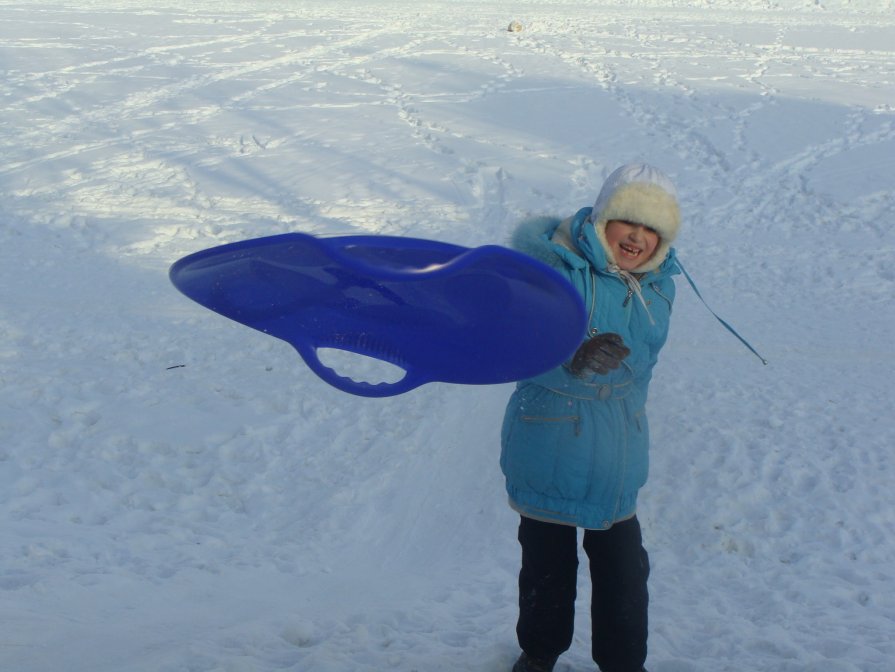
<point>545,454</point>
<point>575,420</point>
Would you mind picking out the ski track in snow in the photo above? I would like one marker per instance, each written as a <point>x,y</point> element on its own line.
<point>180,493</point>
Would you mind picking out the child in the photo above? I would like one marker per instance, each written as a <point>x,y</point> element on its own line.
<point>575,439</point>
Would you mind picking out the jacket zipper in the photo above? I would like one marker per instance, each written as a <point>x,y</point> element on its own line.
<point>655,288</point>
<point>592,331</point>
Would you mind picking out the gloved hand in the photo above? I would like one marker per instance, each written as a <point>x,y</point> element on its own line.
<point>600,354</point>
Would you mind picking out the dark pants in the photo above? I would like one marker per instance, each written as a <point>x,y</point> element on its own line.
<point>619,568</point>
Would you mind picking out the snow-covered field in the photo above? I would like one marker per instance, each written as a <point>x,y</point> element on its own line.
<point>179,493</point>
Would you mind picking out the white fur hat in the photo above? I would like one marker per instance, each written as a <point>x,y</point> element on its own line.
<point>641,194</point>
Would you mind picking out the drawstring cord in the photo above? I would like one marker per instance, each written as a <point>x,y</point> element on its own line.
<point>633,285</point>
<point>726,326</point>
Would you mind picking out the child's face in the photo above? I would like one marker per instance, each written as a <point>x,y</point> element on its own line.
<point>632,245</point>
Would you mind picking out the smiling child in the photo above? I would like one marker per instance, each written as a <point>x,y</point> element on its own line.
<point>575,439</point>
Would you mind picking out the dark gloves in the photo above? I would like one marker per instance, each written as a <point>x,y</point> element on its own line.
<point>600,354</point>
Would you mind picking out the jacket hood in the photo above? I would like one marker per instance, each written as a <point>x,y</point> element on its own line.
<point>640,194</point>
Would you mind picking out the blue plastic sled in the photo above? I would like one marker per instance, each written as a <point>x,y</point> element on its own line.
<point>440,312</point>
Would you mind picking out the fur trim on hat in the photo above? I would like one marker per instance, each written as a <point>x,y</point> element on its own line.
<point>639,194</point>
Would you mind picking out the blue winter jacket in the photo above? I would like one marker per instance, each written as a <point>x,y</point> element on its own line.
<point>575,450</point>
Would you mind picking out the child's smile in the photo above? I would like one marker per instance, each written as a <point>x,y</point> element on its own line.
<point>631,245</point>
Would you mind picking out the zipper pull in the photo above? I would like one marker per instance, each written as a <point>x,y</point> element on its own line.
<point>628,298</point>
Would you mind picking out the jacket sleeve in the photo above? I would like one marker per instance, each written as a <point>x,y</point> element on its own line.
<point>536,237</point>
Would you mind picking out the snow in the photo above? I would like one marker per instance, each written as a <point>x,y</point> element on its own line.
<point>180,493</point>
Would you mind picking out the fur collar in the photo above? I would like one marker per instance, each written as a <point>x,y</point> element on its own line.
<point>533,237</point>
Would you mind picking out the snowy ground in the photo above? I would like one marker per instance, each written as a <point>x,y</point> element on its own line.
<point>181,494</point>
